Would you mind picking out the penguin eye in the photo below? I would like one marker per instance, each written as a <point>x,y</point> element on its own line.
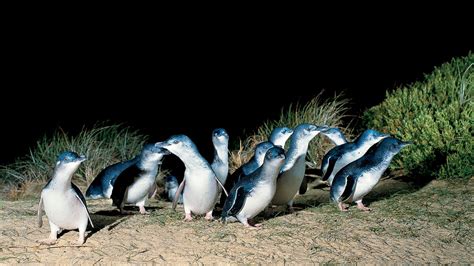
<point>175,141</point>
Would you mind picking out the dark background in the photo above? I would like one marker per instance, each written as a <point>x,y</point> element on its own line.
<point>194,83</point>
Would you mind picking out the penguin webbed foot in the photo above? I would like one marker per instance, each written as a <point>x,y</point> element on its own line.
<point>362,207</point>
<point>252,226</point>
<point>143,211</point>
<point>188,217</point>
<point>209,216</point>
<point>343,207</point>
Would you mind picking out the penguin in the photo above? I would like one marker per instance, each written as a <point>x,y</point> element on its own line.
<point>359,177</point>
<point>335,135</point>
<point>200,183</point>
<point>344,154</point>
<point>171,186</point>
<point>103,183</point>
<point>62,201</point>
<point>280,135</point>
<point>253,164</point>
<point>220,164</point>
<point>292,171</point>
<point>253,193</point>
<point>137,183</point>
<point>257,160</point>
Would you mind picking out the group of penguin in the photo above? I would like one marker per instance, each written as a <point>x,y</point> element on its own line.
<point>272,177</point>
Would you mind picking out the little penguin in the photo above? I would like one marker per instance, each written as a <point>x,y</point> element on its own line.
<point>335,135</point>
<point>200,183</point>
<point>102,185</point>
<point>292,171</point>
<point>171,186</point>
<point>344,154</point>
<point>62,201</point>
<point>220,164</point>
<point>254,192</point>
<point>280,135</point>
<point>358,178</point>
<point>137,183</point>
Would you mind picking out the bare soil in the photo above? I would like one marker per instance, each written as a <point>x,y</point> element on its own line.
<point>431,224</point>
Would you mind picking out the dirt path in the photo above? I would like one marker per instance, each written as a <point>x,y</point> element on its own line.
<point>433,224</point>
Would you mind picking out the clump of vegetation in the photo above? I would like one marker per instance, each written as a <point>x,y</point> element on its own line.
<point>317,111</point>
<point>437,114</point>
<point>102,144</point>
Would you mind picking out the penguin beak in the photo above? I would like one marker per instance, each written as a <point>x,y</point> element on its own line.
<point>82,158</point>
<point>406,143</point>
<point>160,144</point>
<point>385,135</point>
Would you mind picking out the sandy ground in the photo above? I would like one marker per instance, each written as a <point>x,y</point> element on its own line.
<point>433,224</point>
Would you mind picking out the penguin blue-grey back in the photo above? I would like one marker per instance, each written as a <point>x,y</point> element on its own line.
<point>359,177</point>
<point>103,183</point>
<point>342,155</point>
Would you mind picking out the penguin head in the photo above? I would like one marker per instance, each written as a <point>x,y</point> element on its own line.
<point>371,136</point>
<point>306,131</point>
<point>332,132</point>
<point>152,152</point>
<point>261,149</point>
<point>180,145</point>
<point>171,182</point>
<point>275,155</point>
<point>220,137</point>
<point>70,161</point>
<point>280,135</point>
<point>392,145</point>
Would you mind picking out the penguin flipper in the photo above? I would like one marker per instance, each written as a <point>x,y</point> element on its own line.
<point>234,202</point>
<point>40,213</point>
<point>123,181</point>
<point>178,193</point>
<point>349,188</point>
<point>330,167</point>
<point>81,198</point>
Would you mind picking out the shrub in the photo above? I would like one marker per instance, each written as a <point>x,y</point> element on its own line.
<point>437,114</point>
<point>102,144</point>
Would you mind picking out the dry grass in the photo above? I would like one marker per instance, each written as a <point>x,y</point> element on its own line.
<point>329,112</point>
<point>102,144</point>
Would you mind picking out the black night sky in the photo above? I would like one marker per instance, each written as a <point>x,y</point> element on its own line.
<point>191,84</point>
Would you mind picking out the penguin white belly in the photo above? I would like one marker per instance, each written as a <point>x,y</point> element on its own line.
<point>289,183</point>
<point>258,200</point>
<point>108,191</point>
<point>200,191</point>
<point>343,161</point>
<point>365,183</point>
<point>64,209</point>
<point>139,190</point>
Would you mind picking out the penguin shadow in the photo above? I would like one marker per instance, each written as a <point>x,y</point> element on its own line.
<point>394,185</point>
<point>109,219</point>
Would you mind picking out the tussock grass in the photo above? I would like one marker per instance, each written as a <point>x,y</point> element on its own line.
<point>329,112</point>
<point>102,144</point>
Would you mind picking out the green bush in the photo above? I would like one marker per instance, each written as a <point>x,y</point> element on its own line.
<point>329,112</point>
<point>437,114</point>
<point>102,144</point>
